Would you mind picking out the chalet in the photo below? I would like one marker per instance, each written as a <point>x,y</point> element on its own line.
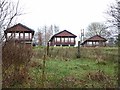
<point>63,38</point>
<point>94,41</point>
<point>20,33</point>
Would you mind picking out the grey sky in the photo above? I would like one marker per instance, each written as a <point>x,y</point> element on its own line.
<point>72,15</point>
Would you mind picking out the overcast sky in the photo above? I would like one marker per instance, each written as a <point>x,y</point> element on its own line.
<point>72,15</point>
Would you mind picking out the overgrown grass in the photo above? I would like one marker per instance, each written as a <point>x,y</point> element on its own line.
<point>97,68</point>
<point>15,58</point>
<point>104,53</point>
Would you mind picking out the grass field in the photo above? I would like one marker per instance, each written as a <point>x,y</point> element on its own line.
<point>97,68</point>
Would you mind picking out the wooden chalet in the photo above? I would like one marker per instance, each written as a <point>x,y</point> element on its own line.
<point>94,41</point>
<point>19,33</point>
<point>63,38</point>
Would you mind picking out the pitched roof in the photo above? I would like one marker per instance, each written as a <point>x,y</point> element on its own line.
<point>95,38</point>
<point>19,27</point>
<point>63,33</point>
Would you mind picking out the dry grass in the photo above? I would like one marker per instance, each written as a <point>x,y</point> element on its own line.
<point>15,58</point>
<point>100,78</point>
<point>95,68</point>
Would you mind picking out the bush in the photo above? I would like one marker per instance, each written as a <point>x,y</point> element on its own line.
<point>15,57</point>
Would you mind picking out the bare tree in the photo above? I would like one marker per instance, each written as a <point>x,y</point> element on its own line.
<point>8,12</point>
<point>97,28</point>
<point>56,29</point>
<point>40,38</point>
<point>114,13</point>
<point>45,33</point>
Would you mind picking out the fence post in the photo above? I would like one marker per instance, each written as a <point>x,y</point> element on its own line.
<point>43,71</point>
<point>78,56</point>
<point>47,49</point>
<point>119,58</point>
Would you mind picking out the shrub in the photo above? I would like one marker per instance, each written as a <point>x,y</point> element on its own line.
<point>100,77</point>
<point>15,57</point>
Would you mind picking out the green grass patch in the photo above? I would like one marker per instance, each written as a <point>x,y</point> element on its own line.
<point>58,73</point>
<point>97,68</point>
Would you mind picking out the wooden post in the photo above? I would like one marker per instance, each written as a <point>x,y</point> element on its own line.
<point>14,35</point>
<point>43,66</point>
<point>78,56</point>
<point>92,44</point>
<point>23,38</point>
<point>47,49</point>
<point>74,40</point>
<point>43,71</point>
<point>19,35</point>
<point>60,40</point>
<point>29,36</point>
<point>70,40</point>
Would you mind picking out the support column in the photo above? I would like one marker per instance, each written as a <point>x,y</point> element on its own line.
<point>99,43</point>
<point>14,34</point>
<point>29,36</point>
<point>78,54</point>
<point>70,40</point>
<point>74,40</point>
<point>95,43</point>
<point>54,42</point>
<point>23,36</point>
<point>19,35</point>
<point>60,40</point>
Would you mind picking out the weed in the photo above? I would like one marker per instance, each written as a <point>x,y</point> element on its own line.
<point>15,59</point>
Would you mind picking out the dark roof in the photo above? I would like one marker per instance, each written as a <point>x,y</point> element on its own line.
<point>13,28</point>
<point>63,33</point>
<point>95,38</point>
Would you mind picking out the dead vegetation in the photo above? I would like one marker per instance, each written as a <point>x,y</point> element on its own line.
<point>56,75</point>
<point>71,82</point>
<point>15,58</point>
<point>100,77</point>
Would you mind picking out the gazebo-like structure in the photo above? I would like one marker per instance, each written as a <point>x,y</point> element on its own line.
<point>20,34</point>
<point>63,38</point>
<point>94,41</point>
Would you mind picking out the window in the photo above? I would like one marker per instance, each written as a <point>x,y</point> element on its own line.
<point>97,43</point>
<point>72,39</point>
<point>16,35</point>
<point>58,39</point>
<point>89,43</point>
<point>30,35</point>
<point>21,35</point>
<point>62,39</point>
<point>66,39</point>
<point>26,35</point>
